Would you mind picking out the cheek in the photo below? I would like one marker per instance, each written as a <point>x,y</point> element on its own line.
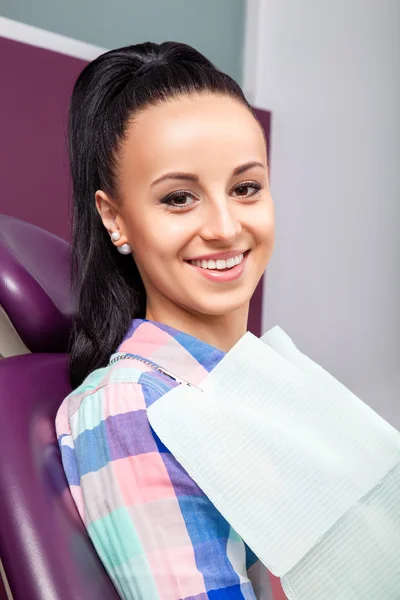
<point>261,223</point>
<point>155,241</point>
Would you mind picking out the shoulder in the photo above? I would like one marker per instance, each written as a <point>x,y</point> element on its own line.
<point>124,387</point>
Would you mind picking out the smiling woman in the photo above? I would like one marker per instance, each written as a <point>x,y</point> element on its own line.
<point>173,228</point>
<point>213,144</point>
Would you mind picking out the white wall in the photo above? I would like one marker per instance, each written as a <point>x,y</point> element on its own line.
<point>330,74</point>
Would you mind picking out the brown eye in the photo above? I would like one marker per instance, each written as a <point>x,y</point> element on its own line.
<point>242,190</point>
<point>179,200</point>
<point>247,190</point>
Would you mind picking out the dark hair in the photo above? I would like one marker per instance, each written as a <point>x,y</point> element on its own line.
<point>106,285</point>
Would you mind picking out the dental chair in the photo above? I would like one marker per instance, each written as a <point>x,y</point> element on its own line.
<point>45,551</point>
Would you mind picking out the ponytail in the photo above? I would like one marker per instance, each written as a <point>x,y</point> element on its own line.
<point>106,285</point>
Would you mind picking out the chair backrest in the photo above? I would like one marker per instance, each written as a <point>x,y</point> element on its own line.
<point>45,550</point>
<point>44,547</point>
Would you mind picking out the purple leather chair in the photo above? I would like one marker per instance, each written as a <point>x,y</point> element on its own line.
<point>44,548</point>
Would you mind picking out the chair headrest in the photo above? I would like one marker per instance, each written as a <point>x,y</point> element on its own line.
<point>34,284</point>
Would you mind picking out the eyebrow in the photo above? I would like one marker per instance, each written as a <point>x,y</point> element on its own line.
<point>195,178</point>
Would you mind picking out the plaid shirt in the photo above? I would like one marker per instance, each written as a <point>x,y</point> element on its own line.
<point>157,534</point>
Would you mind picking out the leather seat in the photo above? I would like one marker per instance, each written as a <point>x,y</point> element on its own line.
<point>44,547</point>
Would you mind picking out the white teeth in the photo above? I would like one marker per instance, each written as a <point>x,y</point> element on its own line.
<point>219,264</point>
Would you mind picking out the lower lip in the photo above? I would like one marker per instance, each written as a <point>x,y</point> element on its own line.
<point>222,275</point>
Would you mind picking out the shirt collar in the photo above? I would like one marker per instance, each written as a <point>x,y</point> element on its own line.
<point>180,353</point>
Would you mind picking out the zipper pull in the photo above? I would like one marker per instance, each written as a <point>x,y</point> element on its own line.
<point>178,379</point>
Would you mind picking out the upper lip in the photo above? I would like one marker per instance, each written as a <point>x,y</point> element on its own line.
<point>219,255</point>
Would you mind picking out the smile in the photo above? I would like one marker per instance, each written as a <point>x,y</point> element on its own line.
<point>221,270</point>
<point>219,264</point>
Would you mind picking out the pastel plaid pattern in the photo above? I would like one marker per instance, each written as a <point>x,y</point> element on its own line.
<point>157,534</point>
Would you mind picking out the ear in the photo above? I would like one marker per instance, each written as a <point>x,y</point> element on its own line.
<point>109,214</point>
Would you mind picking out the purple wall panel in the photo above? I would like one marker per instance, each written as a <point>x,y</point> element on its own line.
<point>36,85</point>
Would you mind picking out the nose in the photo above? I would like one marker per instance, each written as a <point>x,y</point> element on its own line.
<point>220,223</point>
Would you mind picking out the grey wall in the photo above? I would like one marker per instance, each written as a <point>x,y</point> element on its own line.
<point>215,27</point>
<point>329,71</point>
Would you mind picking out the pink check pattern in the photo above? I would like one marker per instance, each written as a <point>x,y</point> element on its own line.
<point>157,534</point>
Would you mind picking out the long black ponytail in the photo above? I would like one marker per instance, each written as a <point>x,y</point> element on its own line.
<point>106,285</point>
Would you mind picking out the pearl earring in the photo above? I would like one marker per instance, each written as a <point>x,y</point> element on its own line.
<point>124,249</point>
<point>115,236</point>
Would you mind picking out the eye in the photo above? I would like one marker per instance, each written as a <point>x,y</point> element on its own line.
<point>242,190</point>
<point>179,200</point>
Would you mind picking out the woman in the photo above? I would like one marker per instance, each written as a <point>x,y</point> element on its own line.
<point>173,227</point>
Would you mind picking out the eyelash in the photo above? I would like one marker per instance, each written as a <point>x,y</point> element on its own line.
<point>183,193</point>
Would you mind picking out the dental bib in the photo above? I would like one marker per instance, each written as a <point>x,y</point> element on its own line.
<point>304,471</point>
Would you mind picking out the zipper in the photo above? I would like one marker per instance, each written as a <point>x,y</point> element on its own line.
<point>154,366</point>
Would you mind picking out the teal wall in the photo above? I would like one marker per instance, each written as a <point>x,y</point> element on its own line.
<point>215,27</point>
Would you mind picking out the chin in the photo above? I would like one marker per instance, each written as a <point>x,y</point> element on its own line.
<point>219,309</point>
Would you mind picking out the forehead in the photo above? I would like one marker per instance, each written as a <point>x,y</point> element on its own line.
<point>205,130</point>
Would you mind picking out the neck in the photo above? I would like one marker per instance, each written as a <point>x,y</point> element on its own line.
<point>220,331</point>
